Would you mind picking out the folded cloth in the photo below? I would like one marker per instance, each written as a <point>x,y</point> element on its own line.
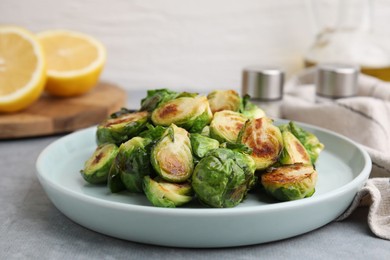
<point>376,194</point>
<point>365,119</point>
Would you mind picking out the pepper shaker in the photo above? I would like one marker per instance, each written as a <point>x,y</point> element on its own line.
<point>264,85</point>
<point>335,80</point>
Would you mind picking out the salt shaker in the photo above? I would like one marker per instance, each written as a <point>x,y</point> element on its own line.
<point>335,80</point>
<point>264,85</point>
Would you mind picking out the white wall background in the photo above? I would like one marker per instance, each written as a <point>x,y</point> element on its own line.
<point>196,44</point>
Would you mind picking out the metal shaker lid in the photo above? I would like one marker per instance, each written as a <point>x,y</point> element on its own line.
<point>263,83</point>
<point>334,80</point>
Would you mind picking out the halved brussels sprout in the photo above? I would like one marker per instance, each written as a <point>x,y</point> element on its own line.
<point>290,182</point>
<point>224,100</point>
<point>165,194</point>
<point>191,113</point>
<point>202,144</point>
<point>265,140</point>
<point>187,94</point>
<point>122,128</point>
<point>223,177</point>
<point>133,162</point>
<point>114,182</point>
<point>97,167</point>
<point>293,151</point>
<point>121,112</point>
<point>205,131</point>
<point>226,126</point>
<point>156,97</point>
<point>309,140</point>
<point>172,155</point>
<point>153,132</point>
<point>237,147</point>
<point>249,109</point>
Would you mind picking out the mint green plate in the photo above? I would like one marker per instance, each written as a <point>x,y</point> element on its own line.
<point>343,167</point>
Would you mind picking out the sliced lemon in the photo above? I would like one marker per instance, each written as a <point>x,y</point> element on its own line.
<point>22,69</point>
<point>74,61</point>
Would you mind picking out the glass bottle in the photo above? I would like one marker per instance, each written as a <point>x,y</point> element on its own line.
<point>346,36</point>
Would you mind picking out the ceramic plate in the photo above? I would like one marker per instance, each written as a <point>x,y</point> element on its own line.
<point>343,168</point>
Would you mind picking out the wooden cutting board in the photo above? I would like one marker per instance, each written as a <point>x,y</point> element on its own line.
<point>53,115</point>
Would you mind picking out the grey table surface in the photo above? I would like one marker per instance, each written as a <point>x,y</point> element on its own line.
<point>31,227</point>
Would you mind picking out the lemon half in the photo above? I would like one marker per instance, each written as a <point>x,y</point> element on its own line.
<point>74,61</point>
<point>22,69</point>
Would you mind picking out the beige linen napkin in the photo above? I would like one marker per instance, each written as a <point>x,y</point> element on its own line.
<point>366,120</point>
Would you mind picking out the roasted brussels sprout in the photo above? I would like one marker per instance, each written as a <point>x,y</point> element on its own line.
<point>187,94</point>
<point>156,97</point>
<point>114,181</point>
<point>265,140</point>
<point>293,151</point>
<point>224,100</point>
<point>121,112</point>
<point>97,167</point>
<point>242,148</point>
<point>202,144</point>
<point>205,131</point>
<point>133,162</point>
<point>182,145</point>
<point>191,113</point>
<point>122,128</point>
<point>249,109</point>
<point>226,126</point>
<point>309,140</point>
<point>223,177</point>
<point>290,182</point>
<point>172,155</point>
<point>153,132</point>
<point>165,194</point>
